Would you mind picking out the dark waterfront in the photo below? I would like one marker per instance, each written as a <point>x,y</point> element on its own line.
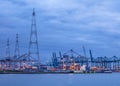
<point>60,80</point>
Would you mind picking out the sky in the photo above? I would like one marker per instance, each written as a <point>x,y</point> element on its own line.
<point>62,25</point>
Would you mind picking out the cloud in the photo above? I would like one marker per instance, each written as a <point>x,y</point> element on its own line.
<point>64,24</point>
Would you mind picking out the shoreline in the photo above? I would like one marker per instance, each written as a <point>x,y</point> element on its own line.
<point>57,72</point>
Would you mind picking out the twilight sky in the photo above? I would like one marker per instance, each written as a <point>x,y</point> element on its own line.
<point>62,25</point>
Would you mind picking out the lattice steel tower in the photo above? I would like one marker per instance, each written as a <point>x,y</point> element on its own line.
<point>33,44</point>
<point>17,51</point>
<point>8,50</point>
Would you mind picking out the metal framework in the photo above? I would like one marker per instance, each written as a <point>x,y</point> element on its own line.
<point>71,57</point>
<point>33,44</point>
<point>17,50</point>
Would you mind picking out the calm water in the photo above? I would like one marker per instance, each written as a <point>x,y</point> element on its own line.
<point>60,80</point>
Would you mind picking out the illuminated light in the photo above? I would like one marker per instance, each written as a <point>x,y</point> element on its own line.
<point>72,67</point>
<point>83,68</point>
<point>75,63</point>
<point>64,67</point>
<point>33,67</point>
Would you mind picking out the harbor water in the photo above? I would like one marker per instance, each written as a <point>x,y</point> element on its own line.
<point>110,79</point>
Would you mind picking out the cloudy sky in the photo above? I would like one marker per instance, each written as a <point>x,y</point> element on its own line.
<point>62,25</point>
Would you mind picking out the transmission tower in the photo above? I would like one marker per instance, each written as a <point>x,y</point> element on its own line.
<point>33,43</point>
<point>8,50</point>
<point>17,51</point>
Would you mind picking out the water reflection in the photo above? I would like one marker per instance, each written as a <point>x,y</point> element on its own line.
<point>60,80</point>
